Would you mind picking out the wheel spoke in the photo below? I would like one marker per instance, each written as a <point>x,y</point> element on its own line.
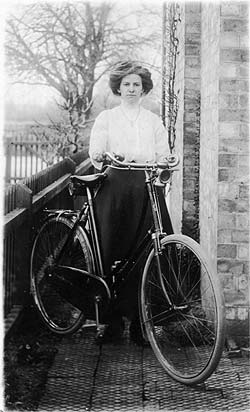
<point>187,337</point>
<point>57,303</point>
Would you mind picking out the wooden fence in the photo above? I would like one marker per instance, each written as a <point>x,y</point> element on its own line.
<point>24,203</point>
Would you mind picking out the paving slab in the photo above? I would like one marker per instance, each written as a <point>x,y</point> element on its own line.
<point>124,377</point>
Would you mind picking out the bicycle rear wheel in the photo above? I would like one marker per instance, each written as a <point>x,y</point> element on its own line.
<point>56,297</point>
<point>187,336</point>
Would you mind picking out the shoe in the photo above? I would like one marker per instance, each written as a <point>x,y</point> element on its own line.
<point>136,335</point>
<point>112,333</point>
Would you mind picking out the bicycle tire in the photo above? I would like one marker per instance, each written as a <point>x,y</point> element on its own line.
<point>188,341</point>
<point>61,315</point>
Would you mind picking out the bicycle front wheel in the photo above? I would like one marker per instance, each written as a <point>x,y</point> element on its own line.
<point>182,310</point>
<point>56,299</point>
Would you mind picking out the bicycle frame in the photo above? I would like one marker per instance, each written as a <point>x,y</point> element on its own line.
<point>121,270</point>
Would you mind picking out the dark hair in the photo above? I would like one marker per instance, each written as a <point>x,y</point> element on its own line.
<point>124,68</point>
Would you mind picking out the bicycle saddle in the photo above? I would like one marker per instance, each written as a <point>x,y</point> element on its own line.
<point>89,180</point>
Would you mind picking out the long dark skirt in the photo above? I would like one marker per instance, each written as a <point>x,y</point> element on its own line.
<point>123,216</point>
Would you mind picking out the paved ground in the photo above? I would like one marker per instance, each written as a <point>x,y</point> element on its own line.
<point>124,377</point>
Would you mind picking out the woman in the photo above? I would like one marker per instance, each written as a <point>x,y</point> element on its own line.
<point>122,211</point>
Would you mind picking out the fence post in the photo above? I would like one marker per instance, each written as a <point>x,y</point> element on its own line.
<point>8,162</point>
<point>24,196</point>
<point>23,245</point>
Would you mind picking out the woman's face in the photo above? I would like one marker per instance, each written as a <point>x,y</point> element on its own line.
<point>131,88</point>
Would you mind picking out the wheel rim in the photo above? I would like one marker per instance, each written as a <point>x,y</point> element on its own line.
<point>59,312</point>
<point>185,337</point>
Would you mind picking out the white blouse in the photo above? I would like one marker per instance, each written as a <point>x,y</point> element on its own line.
<point>144,140</point>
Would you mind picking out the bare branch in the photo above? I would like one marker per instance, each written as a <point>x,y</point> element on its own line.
<point>69,47</point>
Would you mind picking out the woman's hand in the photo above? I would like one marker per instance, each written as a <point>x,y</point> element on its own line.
<point>98,157</point>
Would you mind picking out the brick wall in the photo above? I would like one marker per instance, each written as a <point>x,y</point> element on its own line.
<point>233,168</point>
<point>224,167</point>
<point>212,76</point>
<point>191,120</point>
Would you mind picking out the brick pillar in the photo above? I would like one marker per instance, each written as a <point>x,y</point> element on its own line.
<point>224,167</point>
<point>185,188</point>
<point>191,121</point>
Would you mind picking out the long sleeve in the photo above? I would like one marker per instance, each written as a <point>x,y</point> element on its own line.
<point>98,138</point>
<point>161,141</point>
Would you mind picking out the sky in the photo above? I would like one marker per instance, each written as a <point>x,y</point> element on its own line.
<point>21,94</point>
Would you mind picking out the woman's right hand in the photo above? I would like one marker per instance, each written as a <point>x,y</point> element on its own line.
<point>112,157</point>
<point>98,157</point>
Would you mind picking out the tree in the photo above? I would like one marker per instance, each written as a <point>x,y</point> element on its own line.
<point>59,46</point>
<point>69,46</point>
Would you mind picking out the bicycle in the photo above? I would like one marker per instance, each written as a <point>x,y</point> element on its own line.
<point>180,300</point>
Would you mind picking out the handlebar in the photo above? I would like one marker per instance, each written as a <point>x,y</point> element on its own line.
<point>171,161</point>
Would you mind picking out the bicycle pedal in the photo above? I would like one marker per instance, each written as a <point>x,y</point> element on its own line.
<point>100,333</point>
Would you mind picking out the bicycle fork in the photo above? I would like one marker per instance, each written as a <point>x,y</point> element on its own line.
<point>173,308</point>
<point>157,254</point>
<point>158,231</point>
